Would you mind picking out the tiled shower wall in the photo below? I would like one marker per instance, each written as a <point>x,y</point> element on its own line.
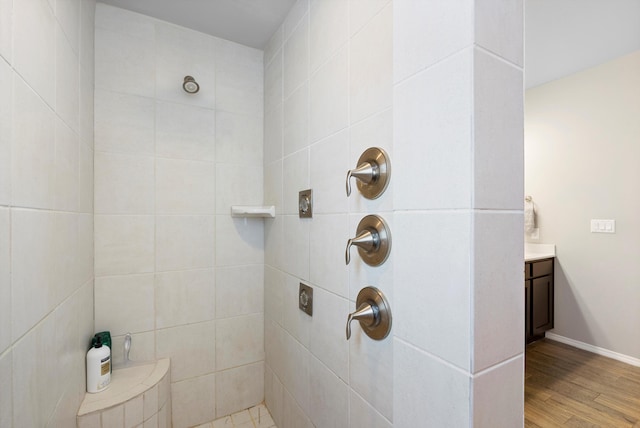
<point>172,267</point>
<point>46,209</point>
<point>439,86</point>
<point>328,96</point>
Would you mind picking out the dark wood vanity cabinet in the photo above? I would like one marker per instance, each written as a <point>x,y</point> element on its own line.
<point>538,286</point>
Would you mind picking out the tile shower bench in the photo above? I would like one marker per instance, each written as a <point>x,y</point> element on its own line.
<point>138,396</point>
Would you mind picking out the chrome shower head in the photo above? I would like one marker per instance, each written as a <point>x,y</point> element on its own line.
<point>190,85</point>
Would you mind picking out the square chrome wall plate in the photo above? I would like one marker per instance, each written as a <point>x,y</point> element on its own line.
<point>305,299</point>
<point>305,203</point>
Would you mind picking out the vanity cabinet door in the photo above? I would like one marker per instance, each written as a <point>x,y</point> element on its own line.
<point>541,305</point>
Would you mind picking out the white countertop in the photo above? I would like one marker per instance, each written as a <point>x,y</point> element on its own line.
<point>538,251</point>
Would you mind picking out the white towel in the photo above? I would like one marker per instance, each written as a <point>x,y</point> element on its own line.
<point>529,216</point>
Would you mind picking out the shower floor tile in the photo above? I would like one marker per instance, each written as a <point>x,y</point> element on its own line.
<point>254,417</point>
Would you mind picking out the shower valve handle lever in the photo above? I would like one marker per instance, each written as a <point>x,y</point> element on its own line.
<point>367,239</point>
<point>366,313</point>
<point>366,172</point>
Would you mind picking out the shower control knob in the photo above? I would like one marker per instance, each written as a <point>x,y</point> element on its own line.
<point>373,312</point>
<point>373,173</point>
<point>373,240</point>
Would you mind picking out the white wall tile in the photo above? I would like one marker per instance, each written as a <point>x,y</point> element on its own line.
<point>87,34</point>
<point>238,241</point>
<point>92,420</point>
<point>114,417</point>
<point>294,416</point>
<point>143,348</point>
<point>240,388</point>
<point>371,372</point>
<point>6,390</point>
<point>86,107</point>
<point>376,131</point>
<point>425,32</point>
<point>185,132</point>
<point>273,395</point>
<point>274,242</point>
<point>371,69</point>
<point>499,27</point>
<point>274,284</point>
<point>32,148</point>
<point>239,341</point>
<point>187,398</point>
<point>275,340</point>
<point>296,120</point>
<point>238,186</point>
<point>123,184</point>
<point>185,187</point>
<point>124,244</point>
<point>67,84</point>
<point>362,11</point>
<point>327,334</point>
<point>84,262</point>
<point>295,177</point>
<point>124,21</point>
<point>86,179</point>
<point>34,42</point>
<point>295,254</point>
<point>498,395</point>
<point>328,168</point>
<point>296,57</point>
<point>497,335</point>
<point>362,415</point>
<point>32,268</point>
<point>68,15</point>
<point>6,27</point>
<point>273,134</point>
<point>296,376</point>
<point>184,242</point>
<point>239,290</point>
<point>273,81</point>
<point>124,303</point>
<point>296,15</point>
<point>192,349</point>
<point>443,400</point>
<point>329,97</point>
<point>433,140</point>
<point>150,402</point>
<point>273,45</point>
<point>498,125</point>
<point>66,168</point>
<point>175,61</point>
<point>185,297</point>
<point>124,63</point>
<point>6,119</point>
<point>328,239</point>
<point>5,279</point>
<point>273,185</point>
<point>238,138</point>
<point>294,321</point>
<point>442,326</point>
<point>329,395</point>
<point>328,30</point>
<point>239,78</point>
<point>124,123</point>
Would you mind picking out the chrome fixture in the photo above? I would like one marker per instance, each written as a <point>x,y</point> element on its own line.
<point>373,312</point>
<point>373,173</point>
<point>190,85</point>
<point>373,239</point>
<point>305,299</point>
<point>305,203</point>
<point>127,347</point>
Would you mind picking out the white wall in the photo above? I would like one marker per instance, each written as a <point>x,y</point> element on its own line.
<point>582,157</point>
<point>446,103</point>
<point>46,209</point>
<point>172,267</point>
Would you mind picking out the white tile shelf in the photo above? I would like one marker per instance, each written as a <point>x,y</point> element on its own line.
<point>253,211</point>
<point>138,381</point>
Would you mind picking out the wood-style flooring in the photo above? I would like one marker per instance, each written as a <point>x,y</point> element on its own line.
<point>569,387</point>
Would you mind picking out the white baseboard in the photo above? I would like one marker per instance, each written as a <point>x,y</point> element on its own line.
<point>595,349</point>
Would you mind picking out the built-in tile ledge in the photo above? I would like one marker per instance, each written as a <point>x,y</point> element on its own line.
<point>264,211</point>
<point>538,251</point>
<point>140,384</point>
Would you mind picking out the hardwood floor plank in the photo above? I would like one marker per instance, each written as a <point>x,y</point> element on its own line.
<point>566,386</point>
